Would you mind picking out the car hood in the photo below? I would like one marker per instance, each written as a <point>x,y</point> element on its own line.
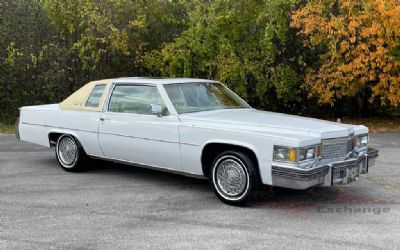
<point>270,123</point>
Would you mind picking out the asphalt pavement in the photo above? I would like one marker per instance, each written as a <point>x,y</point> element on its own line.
<point>114,206</point>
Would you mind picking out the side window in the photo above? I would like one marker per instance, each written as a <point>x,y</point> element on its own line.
<point>94,99</point>
<point>135,99</point>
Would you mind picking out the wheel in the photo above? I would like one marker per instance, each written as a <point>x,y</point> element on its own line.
<point>233,177</point>
<point>70,154</point>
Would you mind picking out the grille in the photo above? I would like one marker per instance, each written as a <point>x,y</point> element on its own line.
<point>300,174</point>
<point>336,148</point>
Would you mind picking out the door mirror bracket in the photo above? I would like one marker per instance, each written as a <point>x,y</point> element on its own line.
<point>156,109</point>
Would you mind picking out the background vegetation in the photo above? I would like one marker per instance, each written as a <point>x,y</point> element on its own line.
<point>323,58</point>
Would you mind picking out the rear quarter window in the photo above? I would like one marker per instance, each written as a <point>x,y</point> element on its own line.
<point>94,99</point>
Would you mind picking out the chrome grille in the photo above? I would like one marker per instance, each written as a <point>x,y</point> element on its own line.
<point>336,148</point>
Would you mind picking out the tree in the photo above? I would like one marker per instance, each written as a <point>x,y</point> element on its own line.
<point>355,41</point>
<point>26,77</point>
<point>50,48</point>
<point>246,44</point>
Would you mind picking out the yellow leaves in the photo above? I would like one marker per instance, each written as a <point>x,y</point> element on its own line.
<point>119,40</point>
<point>344,46</point>
<point>12,54</point>
<point>359,39</point>
<point>353,25</point>
<point>137,23</point>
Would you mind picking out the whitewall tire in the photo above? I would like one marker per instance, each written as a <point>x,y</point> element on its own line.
<point>234,177</point>
<point>70,154</point>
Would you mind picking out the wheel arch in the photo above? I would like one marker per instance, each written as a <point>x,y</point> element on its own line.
<point>55,134</point>
<point>211,149</point>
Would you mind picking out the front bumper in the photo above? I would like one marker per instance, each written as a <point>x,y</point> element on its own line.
<point>334,173</point>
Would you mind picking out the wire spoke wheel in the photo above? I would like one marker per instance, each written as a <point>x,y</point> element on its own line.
<point>231,178</point>
<point>67,150</point>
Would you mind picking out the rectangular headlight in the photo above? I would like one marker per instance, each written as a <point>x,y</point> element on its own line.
<point>309,153</point>
<point>285,154</point>
<point>288,154</point>
<point>360,141</point>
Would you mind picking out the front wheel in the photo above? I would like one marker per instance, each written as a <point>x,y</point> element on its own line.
<point>234,177</point>
<point>70,154</point>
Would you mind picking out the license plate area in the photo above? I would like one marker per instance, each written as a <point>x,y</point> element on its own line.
<point>346,175</point>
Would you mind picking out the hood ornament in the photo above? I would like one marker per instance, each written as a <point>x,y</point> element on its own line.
<point>339,121</point>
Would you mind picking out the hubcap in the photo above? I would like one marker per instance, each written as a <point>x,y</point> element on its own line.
<point>67,151</point>
<point>231,177</point>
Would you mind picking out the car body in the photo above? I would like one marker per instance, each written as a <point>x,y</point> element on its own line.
<point>199,128</point>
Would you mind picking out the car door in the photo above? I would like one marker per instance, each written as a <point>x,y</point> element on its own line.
<point>128,131</point>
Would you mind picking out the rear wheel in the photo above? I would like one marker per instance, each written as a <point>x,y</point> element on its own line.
<point>70,154</point>
<point>234,177</point>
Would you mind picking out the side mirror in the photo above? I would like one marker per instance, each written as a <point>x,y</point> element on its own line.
<point>156,109</point>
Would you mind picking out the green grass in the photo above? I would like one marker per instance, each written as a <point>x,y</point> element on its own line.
<point>7,129</point>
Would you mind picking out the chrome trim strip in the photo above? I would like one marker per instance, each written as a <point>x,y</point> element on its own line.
<point>141,138</point>
<point>129,136</point>
<point>153,167</point>
<point>190,144</point>
<point>47,126</point>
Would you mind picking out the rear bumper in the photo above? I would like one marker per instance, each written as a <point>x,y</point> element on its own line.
<point>335,173</point>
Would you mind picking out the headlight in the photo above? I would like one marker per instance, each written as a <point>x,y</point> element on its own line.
<point>360,141</point>
<point>285,154</point>
<point>307,153</point>
<point>296,154</point>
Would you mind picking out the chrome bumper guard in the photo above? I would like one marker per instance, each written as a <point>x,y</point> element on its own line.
<point>336,173</point>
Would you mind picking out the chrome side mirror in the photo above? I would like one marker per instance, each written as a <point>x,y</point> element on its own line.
<point>156,109</point>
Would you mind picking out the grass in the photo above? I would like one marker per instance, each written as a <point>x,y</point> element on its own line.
<point>7,129</point>
<point>376,124</point>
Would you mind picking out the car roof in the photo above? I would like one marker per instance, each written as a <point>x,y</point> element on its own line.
<point>158,80</point>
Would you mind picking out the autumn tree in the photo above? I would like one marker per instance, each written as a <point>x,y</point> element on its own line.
<point>355,41</point>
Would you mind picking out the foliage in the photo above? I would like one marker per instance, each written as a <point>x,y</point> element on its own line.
<point>7,129</point>
<point>358,39</point>
<point>50,48</point>
<point>25,77</point>
<point>245,44</point>
<point>292,56</point>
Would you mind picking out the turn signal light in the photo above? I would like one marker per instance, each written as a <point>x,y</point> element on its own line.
<point>292,154</point>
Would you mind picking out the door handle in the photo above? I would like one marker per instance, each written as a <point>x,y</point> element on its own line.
<point>104,119</point>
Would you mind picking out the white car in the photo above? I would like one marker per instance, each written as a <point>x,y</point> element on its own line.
<point>199,128</point>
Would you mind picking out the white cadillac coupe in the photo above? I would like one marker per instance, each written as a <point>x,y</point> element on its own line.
<point>199,128</point>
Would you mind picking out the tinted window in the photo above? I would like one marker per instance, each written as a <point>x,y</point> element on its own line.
<point>195,97</point>
<point>95,96</point>
<point>135,99</point>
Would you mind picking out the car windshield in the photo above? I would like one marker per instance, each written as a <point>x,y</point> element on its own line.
<point>195,97</point>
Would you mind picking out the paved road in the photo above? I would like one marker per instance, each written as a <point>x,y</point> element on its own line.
<point>122,207</point>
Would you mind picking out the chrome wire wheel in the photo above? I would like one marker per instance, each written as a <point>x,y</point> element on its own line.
<point>67,151</point>
<point>231,178</point>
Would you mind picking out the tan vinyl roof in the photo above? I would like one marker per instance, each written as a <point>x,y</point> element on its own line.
<point>77,100</point>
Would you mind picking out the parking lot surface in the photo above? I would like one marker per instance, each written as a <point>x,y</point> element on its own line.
<point>114,206</point>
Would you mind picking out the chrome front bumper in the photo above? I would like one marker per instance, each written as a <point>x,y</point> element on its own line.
<point>334,173</point>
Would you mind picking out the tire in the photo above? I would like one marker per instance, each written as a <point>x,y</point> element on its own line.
<point>70,154</point>
<point>234,177</point>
